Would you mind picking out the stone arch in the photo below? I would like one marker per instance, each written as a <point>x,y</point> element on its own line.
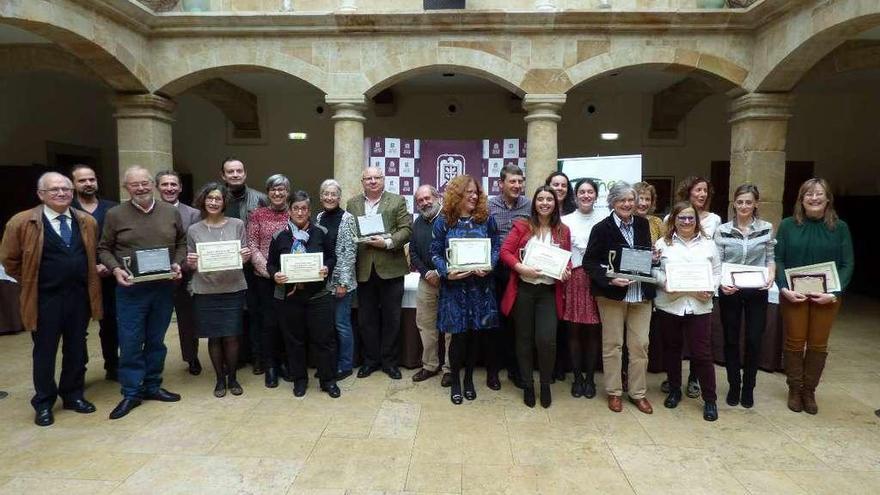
<point>786,51</point>
<point>679,60</point>
<point>177,86</point>
<point>487,60</point>
<point>115,53</point>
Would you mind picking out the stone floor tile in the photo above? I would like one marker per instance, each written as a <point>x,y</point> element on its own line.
<point>434,478</point>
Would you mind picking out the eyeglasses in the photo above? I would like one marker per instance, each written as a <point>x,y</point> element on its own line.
<point>214,200</point>
<point>57,191</point>
<point>300,209</point>
<point>686,218</point>
<point>145,183</point>
<point>329,194</point>
<point>278,190</point>
<point>372,179</point>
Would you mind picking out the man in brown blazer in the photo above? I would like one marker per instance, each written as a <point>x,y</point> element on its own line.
<point>50,251</point>
<point>381,266</point>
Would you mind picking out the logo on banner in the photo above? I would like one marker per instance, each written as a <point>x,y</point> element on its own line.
<point>448,167</point>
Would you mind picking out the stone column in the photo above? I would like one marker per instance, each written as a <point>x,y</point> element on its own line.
<point>348,142</point>
<point>759,123</point>
<point>143,133</point>
<point>543,116</point>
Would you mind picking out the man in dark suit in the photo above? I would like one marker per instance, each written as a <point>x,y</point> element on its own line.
<point>86,198</point>
<point>50,250</point>
<point>168,183</point>
<point>381,266</point>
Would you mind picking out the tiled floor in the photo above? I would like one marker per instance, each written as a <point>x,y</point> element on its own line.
<point>399,437</point>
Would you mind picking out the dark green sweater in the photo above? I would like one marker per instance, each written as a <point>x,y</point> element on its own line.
<point>810,243</point>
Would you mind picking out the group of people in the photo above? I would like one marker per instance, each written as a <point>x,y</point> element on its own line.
<point>72,255</point>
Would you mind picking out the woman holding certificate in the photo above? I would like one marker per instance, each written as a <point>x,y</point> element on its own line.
<point>581,312</point>
<point>464,250</point>
<point>689,273</point>
<point>816,245</point>
<point>746,243</point>
<point>300,258</point>
<point>216,250</point>
<point>534,297</point>
<point>264,222</point>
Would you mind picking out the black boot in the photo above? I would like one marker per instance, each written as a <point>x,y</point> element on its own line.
<point>546,399</point>
<point>271,377</point>
<point>577,385</point>
<point>733,392</point>
<point>529,394</point>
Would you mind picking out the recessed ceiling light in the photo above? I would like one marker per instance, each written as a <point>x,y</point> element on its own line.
<point>298,136</point>
<point>609,136</point>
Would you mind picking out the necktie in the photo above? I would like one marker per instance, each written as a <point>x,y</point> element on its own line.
<point>66,233</point>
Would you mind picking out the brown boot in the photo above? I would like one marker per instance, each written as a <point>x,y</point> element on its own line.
<point>794,370</point>
<point>814,363</point>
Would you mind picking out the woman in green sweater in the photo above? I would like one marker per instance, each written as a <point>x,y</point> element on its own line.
<point>814,234</point>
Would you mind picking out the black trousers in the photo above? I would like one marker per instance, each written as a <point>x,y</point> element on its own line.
<point>752,303</point>
<point>186,322</point>
<point>309,321</point>
<point>379,302</point>
<point>62,314</point>
<point>271,341</point>
<point>108,331</point>
<point>536,320</point>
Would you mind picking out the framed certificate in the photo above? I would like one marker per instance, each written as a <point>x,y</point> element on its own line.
<point>219,256</point>
<point>302,267</point>
<point>370,225</point>
<point>689,277</point>
<point>466,254</point>
<point>147,265</point>
<point>551,260</point>
<point>829,269</point>
<point>809,284</point>
<point>728,269</point>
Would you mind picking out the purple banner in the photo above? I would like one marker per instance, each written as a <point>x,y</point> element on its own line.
<point>441,161</point>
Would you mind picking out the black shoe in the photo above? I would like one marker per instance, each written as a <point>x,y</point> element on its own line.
<point>577,386</point>
<point>299,387</point>
<point>111,375</point>
<point>733,395</point>
<point>124,407</point>
<point>672,399</point>
<point>162,395</point>
<point>234,386</point>
<point>195,367</point>
<point>393,372</point>
<point>332,390</point>
<point>710,411</point>
<point>258,367</point>
<point>44,417</point>
<point>342,375</point>
<point>455,392</point>
<point>367,370</point>
<point>220,388</point>
<point>664,387</point>
<point>469,392</point>
<point>589,389</point>
<point>693,388</point>
<point>284,373</point>
<point>747,399</point>
<point>492,380</point>
<point>545,396</point>
<point>446,380</point>
<point>81,406</point>
<point>529,396</point>
<point>559,375</point>
<point>271,377</point>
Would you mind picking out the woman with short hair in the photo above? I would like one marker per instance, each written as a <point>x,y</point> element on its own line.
<point>745,240</point>
<point>646,204</point>
<point>814,234</point>
<point>218,296</point>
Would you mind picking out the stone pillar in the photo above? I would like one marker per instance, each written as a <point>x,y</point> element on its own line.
<point>347,6</point>
<point>143,133</point>
<point>348,142</point>
<point>543,116</point>
<point>759,123</point>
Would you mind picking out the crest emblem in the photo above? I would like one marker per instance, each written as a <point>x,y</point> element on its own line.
<point>449,166</point>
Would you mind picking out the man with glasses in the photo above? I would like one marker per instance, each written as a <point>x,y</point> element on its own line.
<point>50,251</point>
<point>242,201</point>
<point>381,266</point>
<point>86,198</point>
<point>144,308</point>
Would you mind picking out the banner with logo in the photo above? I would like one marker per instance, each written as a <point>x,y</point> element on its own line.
<point>408,163</point>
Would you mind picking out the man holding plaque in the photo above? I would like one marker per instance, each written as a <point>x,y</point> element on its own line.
<point>143,245</point>
<point>168,182</point>
<point>50,251</point>
<point>381,266</point>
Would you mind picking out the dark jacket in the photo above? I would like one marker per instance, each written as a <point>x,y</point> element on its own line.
<point>319,242</point>
<point>604,237</point>
<point>420,245</point>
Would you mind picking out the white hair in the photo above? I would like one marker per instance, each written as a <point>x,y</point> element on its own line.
<point>41,182</point>
<point>327,184</point>
<point>134,169</point>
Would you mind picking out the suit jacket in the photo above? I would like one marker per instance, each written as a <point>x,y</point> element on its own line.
<point>189,215</point>
<point>604,237</point>
<point>22,250</point>
<point>389,263</point>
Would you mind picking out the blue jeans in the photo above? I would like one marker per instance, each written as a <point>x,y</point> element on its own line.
<point>344,334</point>
<point>143,313</point>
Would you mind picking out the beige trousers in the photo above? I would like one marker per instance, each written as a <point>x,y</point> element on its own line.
<point>635,319</point>
<point>426,321</point>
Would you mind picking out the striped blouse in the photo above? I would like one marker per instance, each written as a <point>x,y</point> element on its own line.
<point>754,249</point>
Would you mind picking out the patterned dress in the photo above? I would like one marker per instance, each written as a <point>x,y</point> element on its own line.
<point>467,304</point>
